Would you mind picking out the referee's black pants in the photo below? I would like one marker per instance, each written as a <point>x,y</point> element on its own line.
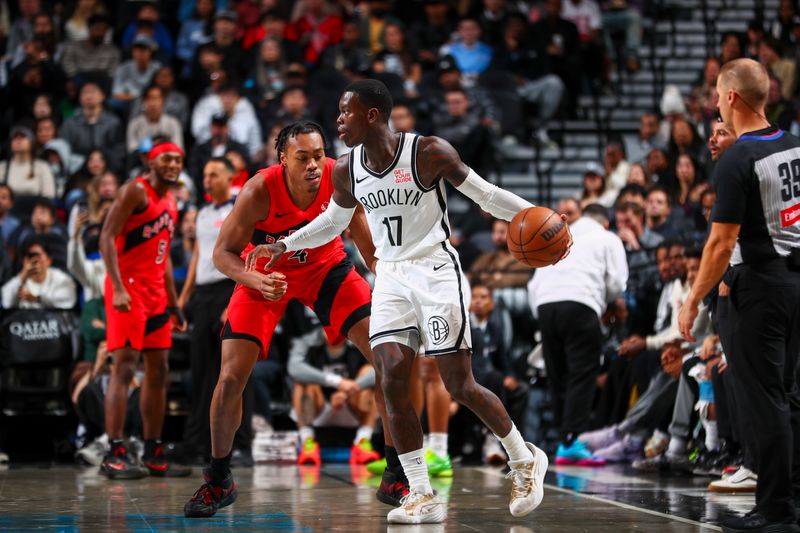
<point>572,342</point>
<point>206,306</point>
<point>764,315</point>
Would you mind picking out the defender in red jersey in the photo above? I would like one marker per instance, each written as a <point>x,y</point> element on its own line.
<point>139,294</point>
<point>273,204</point>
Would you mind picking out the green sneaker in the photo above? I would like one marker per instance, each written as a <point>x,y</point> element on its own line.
<point>376,468</point>
<point>438,466</point>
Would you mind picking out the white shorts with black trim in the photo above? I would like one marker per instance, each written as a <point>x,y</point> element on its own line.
<point>422,303</point>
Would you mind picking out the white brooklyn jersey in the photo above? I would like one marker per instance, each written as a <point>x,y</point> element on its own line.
<point>407,220</point>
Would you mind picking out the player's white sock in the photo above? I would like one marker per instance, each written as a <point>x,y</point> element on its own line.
<point>438,443</point>
<point>677,447</point>
<point>416,471</point>
<point>306,432</point>
<point>515,447</point>
<point>364,432</point>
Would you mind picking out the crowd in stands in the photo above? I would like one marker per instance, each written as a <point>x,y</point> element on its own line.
<point>88,87</point>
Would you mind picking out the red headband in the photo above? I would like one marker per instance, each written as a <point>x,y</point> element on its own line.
<point>163,148</point>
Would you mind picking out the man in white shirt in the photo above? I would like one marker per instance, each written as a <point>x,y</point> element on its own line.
<point>242,120</point>
<point>38,286</point>
<point>569,299</point>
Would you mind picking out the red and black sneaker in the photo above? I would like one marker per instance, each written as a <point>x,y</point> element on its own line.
<point>393,487</point>
<point>119,464</point>
<point>211,497</point>
<point>159,466</point>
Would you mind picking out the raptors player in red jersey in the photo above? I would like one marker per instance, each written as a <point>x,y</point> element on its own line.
<point>140,299</point>
<point>273,204</point>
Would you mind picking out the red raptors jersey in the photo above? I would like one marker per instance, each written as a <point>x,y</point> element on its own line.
<point>285,218</point>
<point>143,245</point>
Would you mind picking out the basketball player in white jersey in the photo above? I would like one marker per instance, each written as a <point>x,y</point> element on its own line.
<point>418,302</point>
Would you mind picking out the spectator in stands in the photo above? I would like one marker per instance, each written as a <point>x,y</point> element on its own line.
<point>703,98</point>
<point>403,119</point>
<point>616,166</point>
<point>77,26</point>
<point>595,190</point>
<point>492,335</point>
<point>238,160</point>
<point>638,146</point>
<point>93,127</point>
<point>23,172</point>
<point>22,28</point>
<point>684,139</point>
<point>399,58</point>
<point>660,217</point>
<point>315,26</point>
<point>349,54</point>
<point>569,299</point>
<point>242,122</point>
<point>472,55</point>
<point>268,76</point>
<point>134,75</point>
<point>461,125</point>
<point>528,61</point>
<point>272,24</point>
<point>46,130</point>
<point>585,14</point>
<point>9,224</point>
<point>332,386</point>
<point>89,272</point>
<point>63,163</point>
<point>176,104</point>
<point>379,14</point>
<point>433,31</point>
<point>217,145</point>
<point>234,58</point>
<point>755,34</point>
<point>293,106</point>
<point>620,16</point>
<point>154,121</point>
<point>779,111</point>
<point>557,39</point>
<point>38,285</point>
<point>730,47</point>
<point>499,271</point>
<point>781,29</point>
<point>194,30</point>
<point>570,207</point>
<point>100,184</point>
<point>44,223</point>
<point>769,55</point>
<point>44,39</point>
<point>638,176</point>
<point>657,166</point>
<point>688,178</point>
<point>93,54</point>
<point>632,192</point>
<point>148,23</point>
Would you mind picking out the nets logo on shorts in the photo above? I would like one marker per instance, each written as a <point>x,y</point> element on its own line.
<point>438,329</point>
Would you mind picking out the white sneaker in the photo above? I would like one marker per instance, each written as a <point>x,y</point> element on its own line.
<point>743,480</point>
<point>93,453</point>
<point>493,452</point>
<point>527,488</point>
<point>418,508</point>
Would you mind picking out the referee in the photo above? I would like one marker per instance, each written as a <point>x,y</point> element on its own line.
<point>210,292</point>
<point>756,229</point>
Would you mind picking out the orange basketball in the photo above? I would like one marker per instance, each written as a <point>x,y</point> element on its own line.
<point>538,237</point>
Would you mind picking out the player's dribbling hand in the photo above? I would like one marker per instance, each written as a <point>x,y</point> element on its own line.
<point>122,301</point>
<point>272,286</point>
<point>273,251</point>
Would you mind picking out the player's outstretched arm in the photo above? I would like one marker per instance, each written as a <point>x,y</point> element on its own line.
<point>327,226</point>
<point>237,229</point>
<point>132,197</point>
<point>437,159</point>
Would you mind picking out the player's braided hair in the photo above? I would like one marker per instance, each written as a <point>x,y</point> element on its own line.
<point>295,129</point>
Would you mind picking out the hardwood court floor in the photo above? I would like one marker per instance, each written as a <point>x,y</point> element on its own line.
<point>284,498</point>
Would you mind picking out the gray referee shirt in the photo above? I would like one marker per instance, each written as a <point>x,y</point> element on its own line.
<point>209,222</point>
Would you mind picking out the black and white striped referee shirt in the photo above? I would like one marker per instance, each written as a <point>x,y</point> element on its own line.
<point>757,182</point>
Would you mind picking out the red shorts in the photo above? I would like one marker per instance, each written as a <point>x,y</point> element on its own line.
<point>337,293</point>
<point>146,326</point>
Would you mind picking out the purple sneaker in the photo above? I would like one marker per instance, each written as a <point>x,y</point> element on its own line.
<point>623,451</point>
<point>601,438</point>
